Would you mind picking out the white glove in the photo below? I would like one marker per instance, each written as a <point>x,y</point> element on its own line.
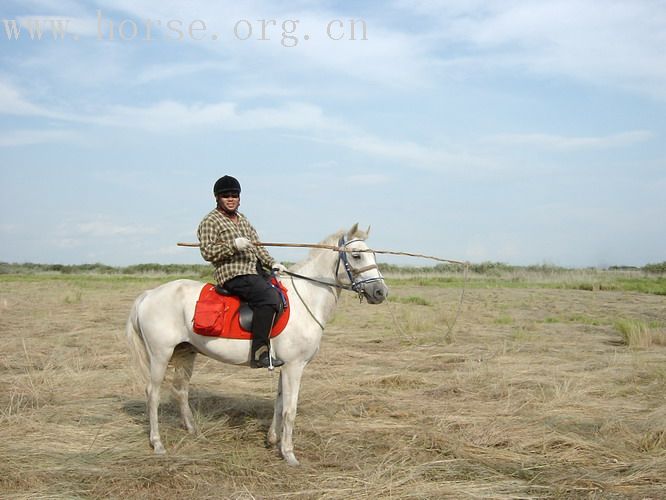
<point>278,268</point>
<point>242,244</point>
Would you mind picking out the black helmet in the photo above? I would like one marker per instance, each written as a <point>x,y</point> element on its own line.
<point>226,183</point>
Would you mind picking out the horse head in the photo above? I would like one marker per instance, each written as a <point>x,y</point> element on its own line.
<point>357,264</point>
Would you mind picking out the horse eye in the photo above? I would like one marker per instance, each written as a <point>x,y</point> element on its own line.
<point>356,255</point>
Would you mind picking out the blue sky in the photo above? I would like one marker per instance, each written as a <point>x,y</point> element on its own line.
<point>516,131</point>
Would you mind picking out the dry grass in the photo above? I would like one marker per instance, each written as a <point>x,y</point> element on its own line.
<point>640,334</point>
<point>536,396</point>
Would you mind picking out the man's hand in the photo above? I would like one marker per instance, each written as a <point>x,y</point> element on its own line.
<point>278,268</point>
<point>242,244</point>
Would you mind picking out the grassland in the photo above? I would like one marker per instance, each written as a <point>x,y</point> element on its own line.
<point>549,385</point>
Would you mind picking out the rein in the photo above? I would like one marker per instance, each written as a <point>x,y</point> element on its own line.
<point>316,280</point>
<point>307,308</point>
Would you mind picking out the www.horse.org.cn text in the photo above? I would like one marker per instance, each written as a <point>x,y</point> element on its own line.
<point>287,32</point>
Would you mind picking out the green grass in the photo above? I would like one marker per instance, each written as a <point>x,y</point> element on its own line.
<point>649,279</point>
<point>74,298</point>
<point>97,268</point>
<point>584,320</point>
<point>648,284</point>
<point>82,279</point>
<point>579,319</point>
<point>656,285</point>
<point>504,319</point>
<point>412,299</point>
<point>615,281</point>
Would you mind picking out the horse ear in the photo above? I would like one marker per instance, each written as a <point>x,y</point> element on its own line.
<point>352,231</point>
<point>367,232</point>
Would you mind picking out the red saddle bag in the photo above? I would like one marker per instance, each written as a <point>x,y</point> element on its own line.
<point>217,315</point>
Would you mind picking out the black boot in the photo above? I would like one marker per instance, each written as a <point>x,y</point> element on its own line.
<point>265,362</point>
<point>262,322</point>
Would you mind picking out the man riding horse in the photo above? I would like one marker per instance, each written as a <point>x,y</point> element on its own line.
<point>226,237</point>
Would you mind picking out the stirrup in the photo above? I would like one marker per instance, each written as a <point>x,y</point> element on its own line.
<point>264,361</point>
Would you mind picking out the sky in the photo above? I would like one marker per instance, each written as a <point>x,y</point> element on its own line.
<point>525,132</point>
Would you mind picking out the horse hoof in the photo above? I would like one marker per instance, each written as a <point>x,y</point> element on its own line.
<point>159,449</point>
<point>291,460</point>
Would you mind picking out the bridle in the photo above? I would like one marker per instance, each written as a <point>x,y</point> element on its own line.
<point>355,285</point>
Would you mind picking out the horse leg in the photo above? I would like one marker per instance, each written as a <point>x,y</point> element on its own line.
<point>158,366</point>
<point>183,361</point>
<point>291,382</point>
<point>276,424</point>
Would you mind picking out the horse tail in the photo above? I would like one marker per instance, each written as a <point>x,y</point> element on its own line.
<point>137,345</point>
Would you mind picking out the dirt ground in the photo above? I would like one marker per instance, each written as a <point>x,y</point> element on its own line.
<point>533,395</point>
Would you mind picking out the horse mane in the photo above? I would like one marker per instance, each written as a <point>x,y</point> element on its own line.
<point>333,239</point>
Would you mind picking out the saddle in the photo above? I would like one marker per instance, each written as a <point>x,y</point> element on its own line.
<point>218,313</point>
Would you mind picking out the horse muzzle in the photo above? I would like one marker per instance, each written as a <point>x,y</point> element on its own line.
<point>375,292</point>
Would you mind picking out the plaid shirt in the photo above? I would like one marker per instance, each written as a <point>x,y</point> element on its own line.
<point>216,234</point>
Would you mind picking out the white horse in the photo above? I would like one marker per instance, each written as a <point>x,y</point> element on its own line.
<point>159,331</point>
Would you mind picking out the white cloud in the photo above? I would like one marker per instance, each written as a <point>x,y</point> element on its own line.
<point>252,89</point>
<point>52,6</point>
<point>558,142</point>
<point>75,232</point>
<point>12,102</point>
<point>388,58</point>
<point>167,250</point>
<point>368,179</point>
<point>309,120</point>
<point>31,137</point>
<point>67,243</point>
<point>414,155</point>
<point>156,73</point>
<point>98,230</point>
<point>171,116</point>
<point>8,228</point>
<point>617,43</point>
<point>164,116</point>
<point>103,227</point>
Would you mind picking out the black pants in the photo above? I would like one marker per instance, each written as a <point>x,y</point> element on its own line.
<point>264,301</point>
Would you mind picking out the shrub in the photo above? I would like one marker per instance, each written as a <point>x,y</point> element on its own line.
<point>491,268</point>
<point>659,268</point>
<point>635,333</point>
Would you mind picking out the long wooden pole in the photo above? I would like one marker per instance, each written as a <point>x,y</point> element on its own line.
<point>338,249</point>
